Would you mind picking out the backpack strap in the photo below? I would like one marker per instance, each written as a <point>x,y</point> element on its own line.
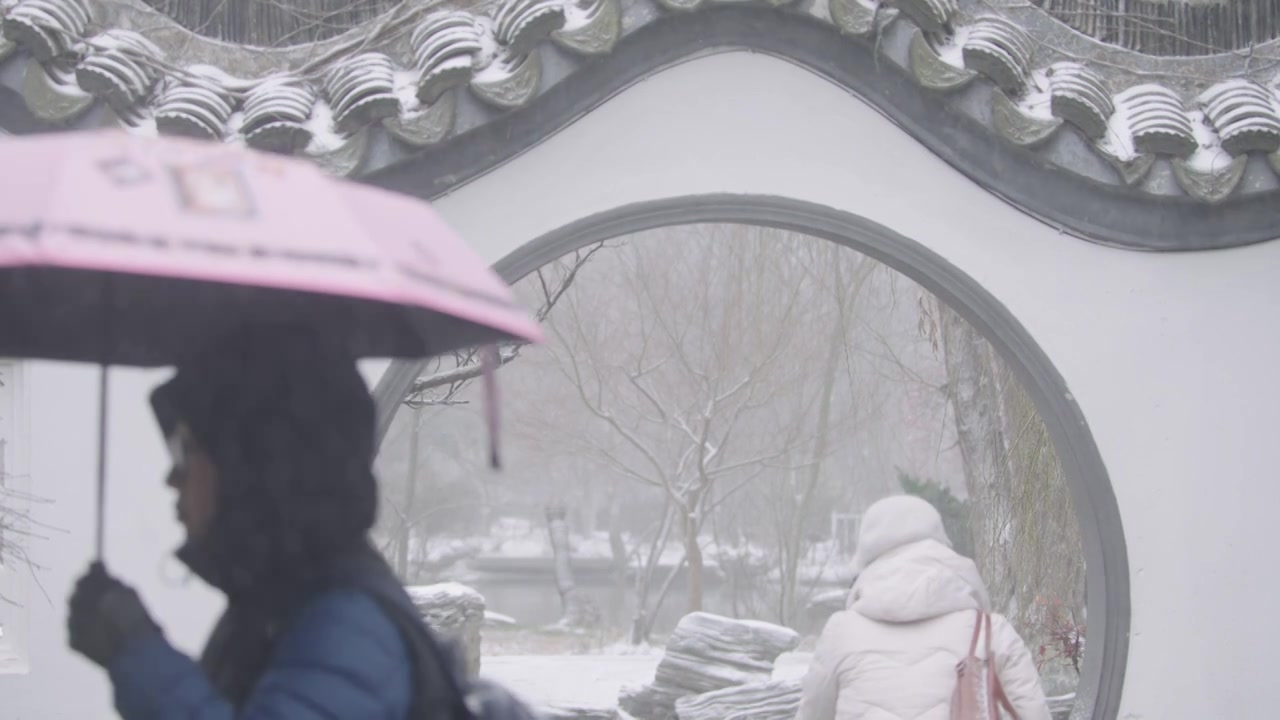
<point>435,664</point>
<point>440,685</point>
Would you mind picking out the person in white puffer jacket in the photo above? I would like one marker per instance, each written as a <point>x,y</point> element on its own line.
<point>892,654</point>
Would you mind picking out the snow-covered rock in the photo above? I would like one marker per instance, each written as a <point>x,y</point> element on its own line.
<point>829,601</point>
<point>456,612</point>
<point>1060,706</point>
<point>778,700</point>
<point>493,619</point>
<point>706,653</point>
<point>569,712</point>
<point>822,606</point>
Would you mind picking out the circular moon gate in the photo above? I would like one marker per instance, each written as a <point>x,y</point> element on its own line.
<point>1102,535</point>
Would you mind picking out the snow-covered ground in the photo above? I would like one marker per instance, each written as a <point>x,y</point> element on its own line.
<point>515,539</point>
<point>592,680</point>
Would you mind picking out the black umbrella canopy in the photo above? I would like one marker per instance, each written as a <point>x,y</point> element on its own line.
<point>110,319</point>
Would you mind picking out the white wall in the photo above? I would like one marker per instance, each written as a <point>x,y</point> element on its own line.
<point>142,533</point>
<point>1171,357</point>
<point>15,580</point>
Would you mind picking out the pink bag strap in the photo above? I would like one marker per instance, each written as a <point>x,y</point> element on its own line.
<point>977,630</point>
<point>998,696</point>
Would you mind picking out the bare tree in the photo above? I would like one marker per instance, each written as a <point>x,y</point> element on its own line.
<point>447,377</point>
<point>14,527</point>
<point>869,406</point>
<point>578,610</point>
<point>17,526</point>
<point>433,488</point>
<point>981,429</point>
<point>407,510</point>
<point>1025,534</point>
<point>686,382</point>
<point>1046,556</point>
<point>793,509</point>
<point>443,385</point>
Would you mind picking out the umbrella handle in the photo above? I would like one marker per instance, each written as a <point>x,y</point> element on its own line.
<point>108,305</point>
<point>100,543</point>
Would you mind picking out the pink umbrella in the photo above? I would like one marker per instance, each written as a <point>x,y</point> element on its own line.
<point>116,249</point>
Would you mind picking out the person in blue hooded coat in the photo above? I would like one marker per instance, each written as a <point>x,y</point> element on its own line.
<point>272,438</point>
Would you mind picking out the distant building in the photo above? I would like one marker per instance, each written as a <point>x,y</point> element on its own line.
<point>844,532</point>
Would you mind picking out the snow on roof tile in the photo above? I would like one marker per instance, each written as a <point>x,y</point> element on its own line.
<point>404,72</point>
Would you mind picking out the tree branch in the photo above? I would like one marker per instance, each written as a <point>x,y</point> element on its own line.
<point>468,368</point>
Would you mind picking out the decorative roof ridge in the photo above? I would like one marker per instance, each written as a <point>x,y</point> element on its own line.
<point>251,61</point>
<point>232,58</point>
<point>1055,35</point>
<point>1173,27</point>
<point>403,73</point>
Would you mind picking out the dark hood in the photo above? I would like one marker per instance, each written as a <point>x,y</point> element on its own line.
<point>288,423</point>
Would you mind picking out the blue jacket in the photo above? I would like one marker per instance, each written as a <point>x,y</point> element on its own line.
<point>341,658</point>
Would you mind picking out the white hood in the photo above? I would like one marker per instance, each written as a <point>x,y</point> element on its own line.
<point>908,571</point>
